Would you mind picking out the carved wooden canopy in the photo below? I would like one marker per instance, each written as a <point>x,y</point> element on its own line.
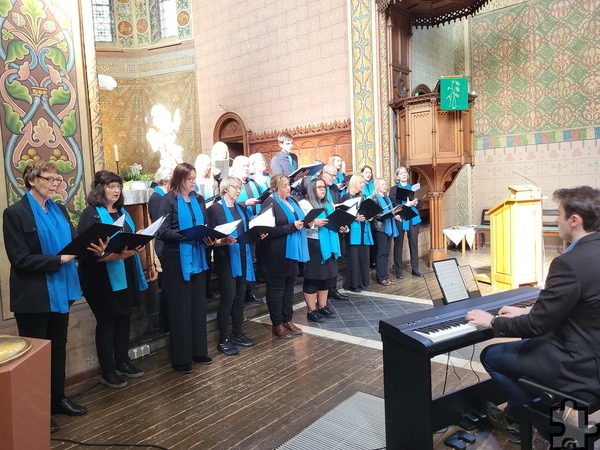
<point>429,13</point>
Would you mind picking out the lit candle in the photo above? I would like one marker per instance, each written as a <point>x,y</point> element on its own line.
<point>116,153</point>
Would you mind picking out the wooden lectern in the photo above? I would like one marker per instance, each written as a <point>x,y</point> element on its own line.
<point>25,399</point>
<point>516,244</point>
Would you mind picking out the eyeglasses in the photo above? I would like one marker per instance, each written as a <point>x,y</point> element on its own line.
<point>330,174</point>
<point>237,188</point>
<point>115,188</point>
<point>321,187</point>
<point>52,180</point>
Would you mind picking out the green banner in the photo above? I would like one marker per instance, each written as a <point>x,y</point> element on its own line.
<point>454,94</point>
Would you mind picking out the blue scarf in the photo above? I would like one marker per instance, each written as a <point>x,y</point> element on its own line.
<point>360,233</point>
<point>329,241</point>
<point>255,190</point>
<point>159,190</point>
<point>116,269</point>
<point>296,246</point>
<point>339,178</point>
<point>369,189</point>
<point>415,220</point>
<point>54,233</point>
<point>389,225</point>
<point>192,254</point>
<point>234,249</point>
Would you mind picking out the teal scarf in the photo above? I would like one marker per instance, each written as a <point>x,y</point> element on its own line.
<point>369,189</point>
<point>360,233</point>
<point>192,254</point>
<point>415,220</point>
<point>234,249</point>
<point>244,195</point>
<point>389,225</point>
<point>116,269</point>
<point>54,233</point>
<point>159,190</point>
<point>296,246</point>
<point>329,241</point>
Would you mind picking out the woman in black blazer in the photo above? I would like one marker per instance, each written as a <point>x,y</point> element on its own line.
<point>279,254</point>
<point>184,270</point>
<point>111,282</point>
<point>43,284</point>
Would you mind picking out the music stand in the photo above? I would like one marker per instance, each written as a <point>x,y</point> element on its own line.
<point>453,282</point>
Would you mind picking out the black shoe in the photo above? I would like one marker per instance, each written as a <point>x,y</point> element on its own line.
<point>68,408</point>
<point>337,295</point>
<point>242,339</point>
<point>204,360</point>
<point>326,312</point>
<point>498,419</point>
<point>183,368</point>
<point>251,297</point>
<point>314,316</point>
<point>399,275</point>
<point>128,370</point>
<point>113,380</point>
<point>227,347</point>
<point>53,426</point>
<point>416,273</point>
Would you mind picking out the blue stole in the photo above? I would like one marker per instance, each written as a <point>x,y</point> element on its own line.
<point>360,232</point>
<point>415,220</point>
<point>369,189</point>
<point>234,249</point>
<point>192,254</point>
<point>339,178</point>
<point>291,161</point>
<point>329,196</point>
<point>54,233</point>
<point>116,269</point>
<point>254,188</point>
<point>296,246</point>
<point>159,191</point>
<point>329,241</point>
<point>389,225</point>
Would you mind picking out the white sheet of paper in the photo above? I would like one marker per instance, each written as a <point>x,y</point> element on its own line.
<point>228,228</point>
<point>152,229</point>
<point>416,187</point>
<point>120,222</point>
<point>266,218</point>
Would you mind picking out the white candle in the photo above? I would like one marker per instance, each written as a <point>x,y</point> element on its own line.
<point>116,153</point>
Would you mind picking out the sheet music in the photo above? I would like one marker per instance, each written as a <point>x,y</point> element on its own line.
<point>267,219</point>
<point>228,228</point>
<point>416,187</point>
<point>353,210</point>
<point>450,279</point>
<point>351,202</point>
<point>152,229</point>
<point>120,222</point>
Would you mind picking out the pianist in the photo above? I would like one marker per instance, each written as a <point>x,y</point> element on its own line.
<point>562,329</point>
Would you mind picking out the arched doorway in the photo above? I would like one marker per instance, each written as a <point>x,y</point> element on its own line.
<point>230,129</point>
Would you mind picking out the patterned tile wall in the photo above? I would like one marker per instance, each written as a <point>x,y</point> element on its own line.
<point>432,55</point>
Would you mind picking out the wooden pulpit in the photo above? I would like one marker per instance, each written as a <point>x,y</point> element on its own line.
<point>516,243</point>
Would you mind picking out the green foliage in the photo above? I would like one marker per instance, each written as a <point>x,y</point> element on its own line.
<point>16,50</point>
<point>69,125</point>
<point>18,91</point>
<point>7,35</point>
<point>12,120</point>
<point>5,7</point>
<point>147,176</point>
<point>79,199</point>
<point>13,197</point>
<point>60,96</point>
<point>74,216</point>
<point>21,165</point>
<point>64,166</point>
<point>57,57</point>
<point>33,8</point>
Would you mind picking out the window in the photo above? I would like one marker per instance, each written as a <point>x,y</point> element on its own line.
<point>168,18</point>
<point>104,25</point>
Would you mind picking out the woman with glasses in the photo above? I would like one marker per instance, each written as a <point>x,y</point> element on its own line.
<point>279,254</point>
<point>324,248</point>
<point>111,281</point>
<point>184,270</point>
<point>358,242</point>
<point>43,284</point>
<point>233,264</point>
<point>385,230</point>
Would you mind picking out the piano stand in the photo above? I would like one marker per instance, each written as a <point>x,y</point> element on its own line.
<point>412,415</point>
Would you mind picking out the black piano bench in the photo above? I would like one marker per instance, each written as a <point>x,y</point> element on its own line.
<point>568,434</point>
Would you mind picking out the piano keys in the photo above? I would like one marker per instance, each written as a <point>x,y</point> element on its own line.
<point>412,415</point>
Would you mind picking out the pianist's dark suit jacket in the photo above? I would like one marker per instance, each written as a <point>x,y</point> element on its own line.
<point>564,324</point>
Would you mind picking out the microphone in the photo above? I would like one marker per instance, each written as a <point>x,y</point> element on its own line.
<point>528,179</point>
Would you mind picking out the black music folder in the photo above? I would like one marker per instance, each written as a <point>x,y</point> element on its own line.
<point>199,232</point>
<point>402,194</point>
<point>313,169</point>
<point>339,218</point>
<point>263,223</point>
<point>407,213</point>
<point>79,245</point>
<point>312,215</point>
<point>265,195</point>
<point>369,208</point>
<point>130,240</point>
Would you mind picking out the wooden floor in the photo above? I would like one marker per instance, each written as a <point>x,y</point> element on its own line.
<point>256,400</point>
